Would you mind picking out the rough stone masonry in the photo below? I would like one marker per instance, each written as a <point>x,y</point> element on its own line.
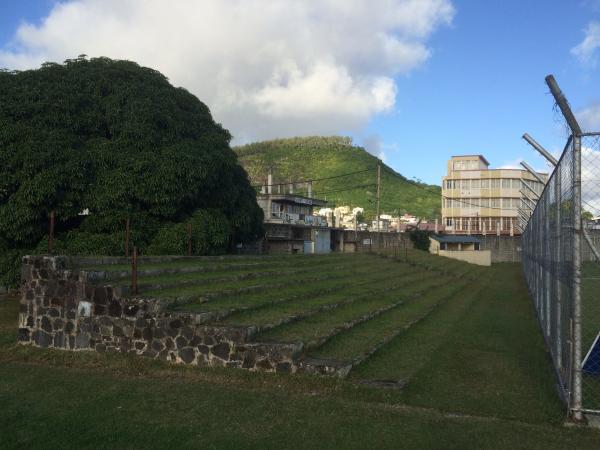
<point>61,308</point>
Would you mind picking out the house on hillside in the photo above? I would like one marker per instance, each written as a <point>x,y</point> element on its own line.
<point>291,224</point>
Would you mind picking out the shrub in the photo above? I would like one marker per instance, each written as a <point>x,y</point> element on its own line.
<point>420,239</point>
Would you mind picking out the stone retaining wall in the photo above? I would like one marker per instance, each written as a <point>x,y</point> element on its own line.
<point>60,308</point>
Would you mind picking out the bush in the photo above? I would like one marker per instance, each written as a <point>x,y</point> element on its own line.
<point>210,235</point>
<point>420,239</point>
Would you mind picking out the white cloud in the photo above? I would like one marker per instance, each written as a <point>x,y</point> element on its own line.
<point>589,118</point>
<point>266,68</point>
<point>585,51</point>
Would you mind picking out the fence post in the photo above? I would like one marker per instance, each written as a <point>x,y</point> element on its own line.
<point>134,265</point>
<point>51,233</point>
<point>189,231</point>
<point>557,272</point>
<point>577,381</point>
<point>127,237</point>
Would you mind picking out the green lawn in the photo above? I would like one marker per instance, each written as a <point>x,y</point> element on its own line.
<point>467,350</point>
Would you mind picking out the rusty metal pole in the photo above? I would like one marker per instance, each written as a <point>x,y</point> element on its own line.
<point>51,233</point>
<point>189,230</point>
<point>134,263</point>
<point>127,238</point>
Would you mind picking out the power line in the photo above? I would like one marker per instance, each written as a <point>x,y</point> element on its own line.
<point>316,179</point>
<point>350,188</point>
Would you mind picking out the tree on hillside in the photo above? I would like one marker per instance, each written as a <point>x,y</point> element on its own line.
<point>118,140</point>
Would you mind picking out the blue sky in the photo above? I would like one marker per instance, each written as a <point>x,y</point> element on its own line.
<point>479,90</point>
<point>484,86</point>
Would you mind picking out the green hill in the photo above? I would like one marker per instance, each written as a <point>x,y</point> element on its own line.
<point>304,158</point>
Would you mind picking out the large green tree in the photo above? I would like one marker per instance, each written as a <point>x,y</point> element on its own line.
<point>120,141</point>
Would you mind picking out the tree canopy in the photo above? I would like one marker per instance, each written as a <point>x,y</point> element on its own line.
<point>117,140</point>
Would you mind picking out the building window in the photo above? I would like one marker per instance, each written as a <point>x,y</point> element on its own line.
<point>516,184</point>
<point>476,246</point>
<point>495,184</point>
<point>506,183</point>
<point>464,184</point>
<point>448,222</point>
<point>485,202</point>
<point>485,183</point>
<point>442,246</point>
<point>475,184</point>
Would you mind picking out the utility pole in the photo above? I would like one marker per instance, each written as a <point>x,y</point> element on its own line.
<point>378,193</point>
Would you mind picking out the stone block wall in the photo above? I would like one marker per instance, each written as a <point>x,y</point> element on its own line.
<point>503,248</point>
<point>60,308</point>
<point>365,241</point>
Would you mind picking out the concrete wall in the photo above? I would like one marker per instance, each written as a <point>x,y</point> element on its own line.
<point>502,248</point>
<point>364,241</point>
<point>479,257</point>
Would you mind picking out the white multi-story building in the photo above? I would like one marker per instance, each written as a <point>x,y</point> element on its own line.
<point>480,200</point>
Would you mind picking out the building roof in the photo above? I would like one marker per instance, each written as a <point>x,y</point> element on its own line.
<point>456,239</point>
<point>470,156</point>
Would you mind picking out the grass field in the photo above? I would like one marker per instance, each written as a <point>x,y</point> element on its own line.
<point>457,345</point>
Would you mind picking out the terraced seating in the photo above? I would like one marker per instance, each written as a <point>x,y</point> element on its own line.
<point>345,312</point>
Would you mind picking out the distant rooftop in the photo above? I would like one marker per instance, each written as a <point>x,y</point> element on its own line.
<point>472,156</point>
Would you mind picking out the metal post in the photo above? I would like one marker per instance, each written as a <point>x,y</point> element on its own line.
<point>378,192</point>
<point>51,233</point>
<point>547,258</point>
<point>127,238</point>
<point>134,265</point>
<point>576,388</point>
<point>546,154</point>
<point>532,172</point>
<point>535,194</point>
<point>557,271</point>
<point>189,232</point>
<point>577,379</point>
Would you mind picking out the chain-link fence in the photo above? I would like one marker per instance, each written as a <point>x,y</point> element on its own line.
<point>547,254</point>
<point>590,270</point>
<point>561,264</point>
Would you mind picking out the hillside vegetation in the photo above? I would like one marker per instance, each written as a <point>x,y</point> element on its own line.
<point>304,158</point>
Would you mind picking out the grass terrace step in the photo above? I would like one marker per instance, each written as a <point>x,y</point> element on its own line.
<point>201,293</point>
<point>247,312</point>
<point>404,355</point>
<point>221,307</point>
<point>267,269</point>
<point>162,283</point>
<point>163,262</point>
<point>317,329</point>
<point>360,290</point>
<point>108,273</point>
<point>363,340</point>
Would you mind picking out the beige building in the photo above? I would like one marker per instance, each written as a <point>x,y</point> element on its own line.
<point>480,200</point>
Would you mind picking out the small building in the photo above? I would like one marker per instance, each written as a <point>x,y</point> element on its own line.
<point>291,226</point>
<point>291,208</point>
<point>462,247</point>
